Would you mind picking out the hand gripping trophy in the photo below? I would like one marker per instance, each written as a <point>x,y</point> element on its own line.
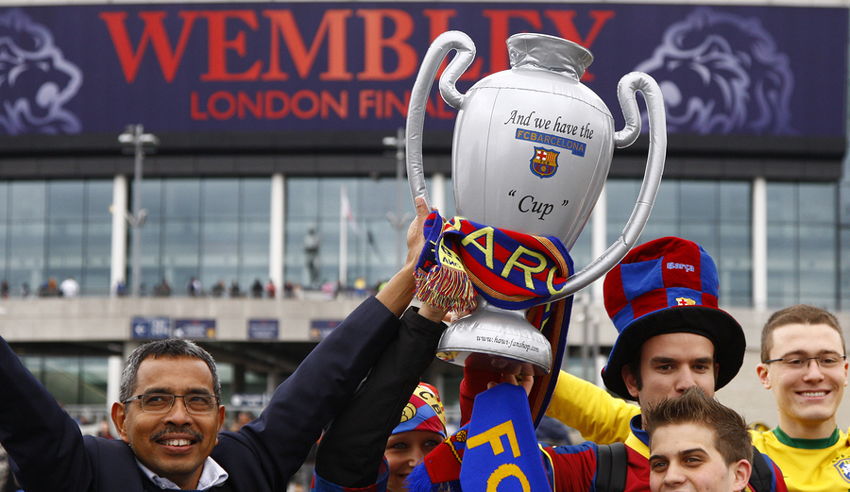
<point>531,151</point>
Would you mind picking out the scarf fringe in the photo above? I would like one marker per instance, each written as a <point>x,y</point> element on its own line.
<point>446,288</point>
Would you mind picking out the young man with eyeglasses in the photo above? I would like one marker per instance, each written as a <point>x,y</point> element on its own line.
<point>170,413</point>
<point>805,367</point>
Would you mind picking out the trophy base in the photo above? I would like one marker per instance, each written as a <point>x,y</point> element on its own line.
<point>495,339</point>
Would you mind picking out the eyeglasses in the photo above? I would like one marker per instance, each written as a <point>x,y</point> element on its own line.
<point>826,361</point>
<point>159,403</point>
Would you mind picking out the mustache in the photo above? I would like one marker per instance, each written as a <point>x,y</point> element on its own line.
<point>178,429</point>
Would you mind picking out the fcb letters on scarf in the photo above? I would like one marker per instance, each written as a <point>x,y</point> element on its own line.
<point>531,151</point>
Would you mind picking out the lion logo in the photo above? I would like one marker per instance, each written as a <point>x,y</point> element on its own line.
<point>36,81</point>
<point>722,73</point>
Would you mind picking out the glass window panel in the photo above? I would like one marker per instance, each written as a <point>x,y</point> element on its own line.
<point>62,379</point>
<point>698,201</point>
<point>845,269</point>
<point>65,244</point>
<point>220,251</point>
<point>4,251</point>
<point>94,375</point>
<point>66,199</point>
<point>302,195</point>
<point>255,382</point>
<point>34,365</point>
<point>254,249</point>
<point>735,201</point>
<point>180,250</point>
<point>781,202</point>
<point>182,198</point>
<point>28,200</point>
<point>4,201</point>
<point>621,195</point>
<point>152,200</point>
<point>450,207</point>
<point>256,197</point>
<point>98,199</point>
<point>220,197</point>
<point>781,265</point>
<point>666,208</point>
<point>26,246</point>
<point>817,203</point>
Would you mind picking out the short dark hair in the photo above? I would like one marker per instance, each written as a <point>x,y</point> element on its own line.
<point>730,430</point>
<point>803,314</point>
<point>170,347</point>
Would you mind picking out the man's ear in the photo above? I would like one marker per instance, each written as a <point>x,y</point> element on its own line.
<point>742,470</point>
<point>630,380</point>
<point>118,418</point>
<point>220,418</point>
<point>763,373</point>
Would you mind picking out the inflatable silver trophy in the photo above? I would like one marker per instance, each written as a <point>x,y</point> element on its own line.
<point>531,151</point>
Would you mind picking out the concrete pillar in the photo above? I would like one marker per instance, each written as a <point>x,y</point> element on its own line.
<point>438,192</point>
<point>276,233</point>
<point>114,366</point>
<point>759,230</point>
<point>118,264</point>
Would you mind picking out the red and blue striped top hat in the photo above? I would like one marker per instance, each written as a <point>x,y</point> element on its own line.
<point>668,285</point>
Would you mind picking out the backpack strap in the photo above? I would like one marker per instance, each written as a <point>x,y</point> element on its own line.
<point>611,466</point>
<point>761,480</point>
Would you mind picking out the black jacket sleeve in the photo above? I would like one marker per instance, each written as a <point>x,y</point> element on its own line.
<point>265,453</point>
<point>352,450</point>
<point>44,442</point>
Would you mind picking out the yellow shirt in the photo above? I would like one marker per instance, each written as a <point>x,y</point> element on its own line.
<point>589,409</point>
<point>808,465</point>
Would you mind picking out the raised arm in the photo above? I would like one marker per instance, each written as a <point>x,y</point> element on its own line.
<point>352,450</point>
<point>276,444</point>
<point>42,440</point>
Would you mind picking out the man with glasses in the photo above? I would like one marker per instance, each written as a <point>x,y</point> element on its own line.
<point>804,365</point>
<point>170,411</point>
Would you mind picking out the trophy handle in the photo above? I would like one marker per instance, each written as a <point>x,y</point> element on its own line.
<point>630,84</point>
<point>439,49</point>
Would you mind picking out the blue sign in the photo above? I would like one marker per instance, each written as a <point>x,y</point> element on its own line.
<point>147,328</point>
<point>320,328</point>
<point>333,66</point>
<point>263,329</point>
<point>194,328</point>
<point>250,400</point>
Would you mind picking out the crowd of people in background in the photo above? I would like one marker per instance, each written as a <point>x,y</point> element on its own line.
<point>70,288</point>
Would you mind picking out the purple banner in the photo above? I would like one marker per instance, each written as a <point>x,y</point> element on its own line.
<point>319,66</point>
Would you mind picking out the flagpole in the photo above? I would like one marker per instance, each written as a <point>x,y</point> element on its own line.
<point>343,237</point>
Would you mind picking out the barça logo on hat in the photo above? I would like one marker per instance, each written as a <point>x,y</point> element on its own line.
<point>544,162</point>
<point>685,301</point>
<point>843,467</point>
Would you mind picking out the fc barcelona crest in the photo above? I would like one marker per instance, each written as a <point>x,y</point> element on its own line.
<point>843,467</point>
<point>544,162</point>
